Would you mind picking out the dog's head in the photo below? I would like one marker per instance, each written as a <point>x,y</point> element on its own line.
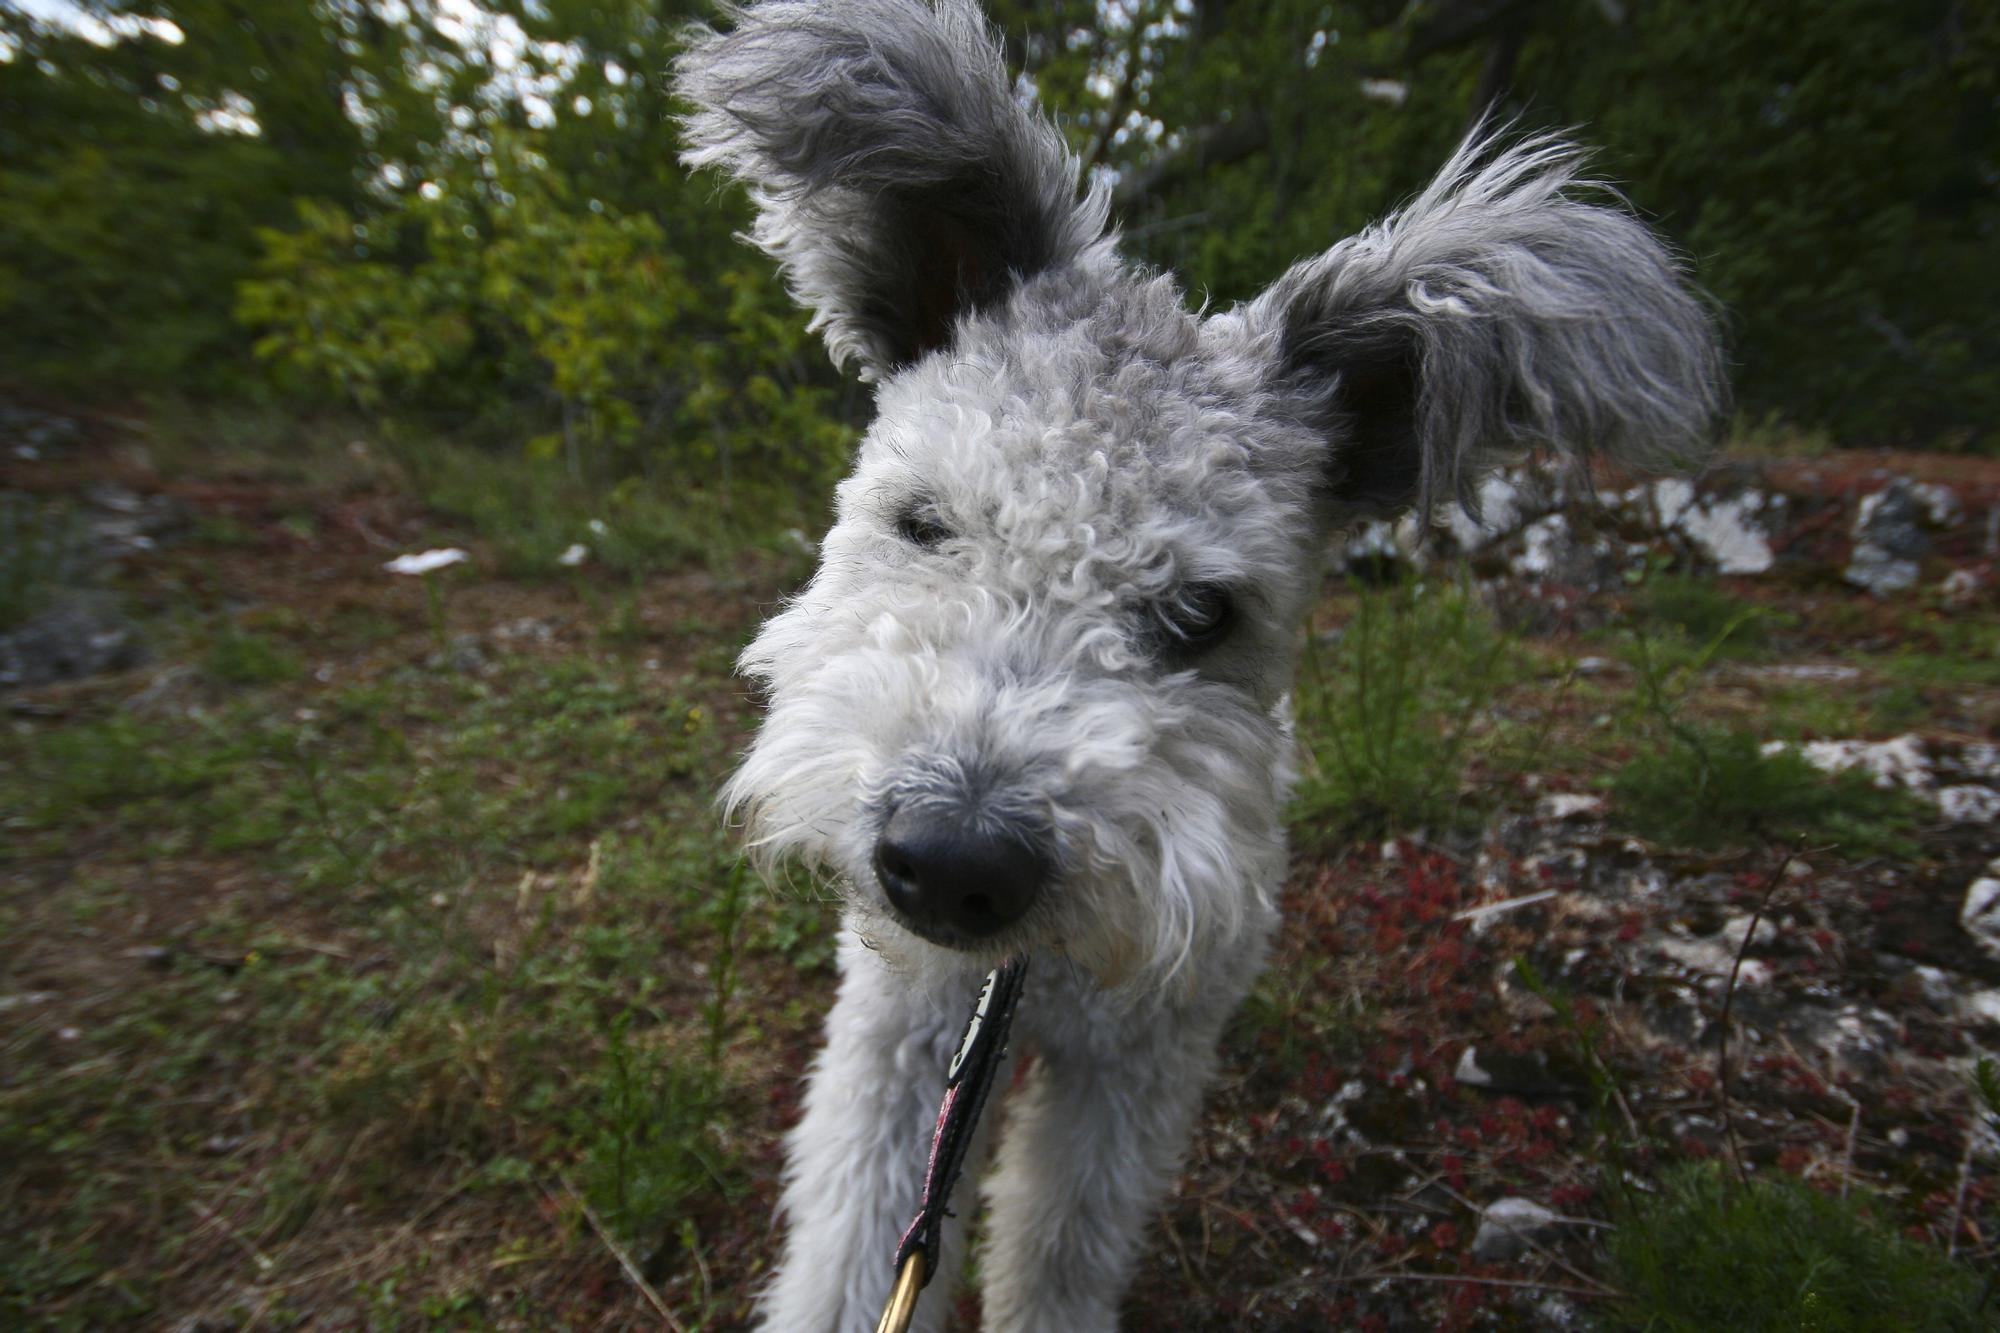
<point>1033,696</point>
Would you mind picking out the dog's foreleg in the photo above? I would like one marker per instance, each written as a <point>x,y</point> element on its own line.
<point>1091,1144</point>
<point>855,1164</point>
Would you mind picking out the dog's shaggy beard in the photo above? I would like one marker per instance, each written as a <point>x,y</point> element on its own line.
<point>1157,799</point>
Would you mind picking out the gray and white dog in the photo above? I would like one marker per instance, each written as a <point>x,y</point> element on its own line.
<point>1033,702</point>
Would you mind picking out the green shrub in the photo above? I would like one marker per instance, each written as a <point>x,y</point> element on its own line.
<point>41,550</point>
<point>1709,1255</point>
<point>1392,709</point>
<point>239,656</point>
<point>1709,786</point>
<point>1704,613</point>
<point>642,1128</point>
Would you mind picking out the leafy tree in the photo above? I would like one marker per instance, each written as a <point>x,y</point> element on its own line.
<point>476,209</point>
<point>1833,171</point>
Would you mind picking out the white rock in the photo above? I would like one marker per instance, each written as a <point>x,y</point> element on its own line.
<point>1734,929</point>
<point>1469,1071</point>
<point>1969,804</point>
<point>1542,543</point>
<point>1569,805</point>
<point>1902,762</point>
<point>425,562</point>
<point>1981,759</point>
<point>1880,571</point>
<point>1507,1226</point>
<point>1820,671</point>
<point>1726,533</point>
<point>1981,913</point>
<point>1500,505</point>
<point>1375,543</point>
<point>1671,498</point>
<point>1713,958</point>
<point>1933,984</point>
<point>1940,504</point>
<point>1982,1006</point>
<point>1958,590</point>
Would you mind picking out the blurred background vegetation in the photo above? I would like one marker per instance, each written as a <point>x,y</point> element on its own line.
<point>468,214</point>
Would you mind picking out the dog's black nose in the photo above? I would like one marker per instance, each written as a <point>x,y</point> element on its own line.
<point>949,879</point>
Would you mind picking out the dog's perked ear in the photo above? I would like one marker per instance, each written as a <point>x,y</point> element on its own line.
<point>897,181</point>
<point>1496,312</point>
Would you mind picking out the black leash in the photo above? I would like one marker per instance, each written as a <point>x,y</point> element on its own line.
<point>966,1085</point>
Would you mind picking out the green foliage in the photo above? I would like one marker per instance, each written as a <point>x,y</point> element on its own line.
<point>645,1134</point>
<point>41,551</point>
<point>1704,613</point>
<point>1828,168</point>
<point>496,283</point>
<point>1392,709</point>
<point>130,185</point>
<point>1705,784</point>
<point>241,656</point>
<point>411,225</point>
<point>1777,1256</point>
<point>361,327</point>
<point>1711,785</point>
<point>1823,164</point>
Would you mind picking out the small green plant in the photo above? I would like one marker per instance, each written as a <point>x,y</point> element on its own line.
<point>1392,710</point>
<point>725,913</point>
<point>643,1131</point>
<point>1709,786</point>
<point>1704,613</point>
<point>41,550</point>
<point>1707,1254</point>
<point>1706,784</point>
<point>239,656</point>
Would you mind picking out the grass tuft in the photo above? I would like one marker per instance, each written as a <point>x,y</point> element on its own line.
<point>238,656</point>
<point>42,550</point>
<point>1392,710</point>
<point>1712,785</point>
<point>1704,614</point>
<point>1708,1254</point>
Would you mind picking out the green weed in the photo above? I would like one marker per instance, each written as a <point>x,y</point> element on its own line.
<point>1797,712</point>
<point>1393,709</point>
<point>42,549</point>
<point>1702,784</point>
<point>644,1131</point>
<point>1704,613</point>
<point>110,761</point>
<point>239,656</point>
<point>1776,1255</point>
<point>1709,786</point>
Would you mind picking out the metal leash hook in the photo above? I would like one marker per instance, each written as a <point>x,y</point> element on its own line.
<point>966,1084</point>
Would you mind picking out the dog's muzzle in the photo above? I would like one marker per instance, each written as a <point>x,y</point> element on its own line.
<point>953,882</point>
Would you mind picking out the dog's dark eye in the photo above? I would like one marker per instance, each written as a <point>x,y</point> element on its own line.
<point>1196,617</point>
<point>920,527</point>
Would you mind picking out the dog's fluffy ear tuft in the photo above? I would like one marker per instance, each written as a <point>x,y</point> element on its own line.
<point>1496,312</point>
<point>897,180</point>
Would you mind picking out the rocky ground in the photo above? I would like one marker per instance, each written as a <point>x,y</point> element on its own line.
<point>328,939</point>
